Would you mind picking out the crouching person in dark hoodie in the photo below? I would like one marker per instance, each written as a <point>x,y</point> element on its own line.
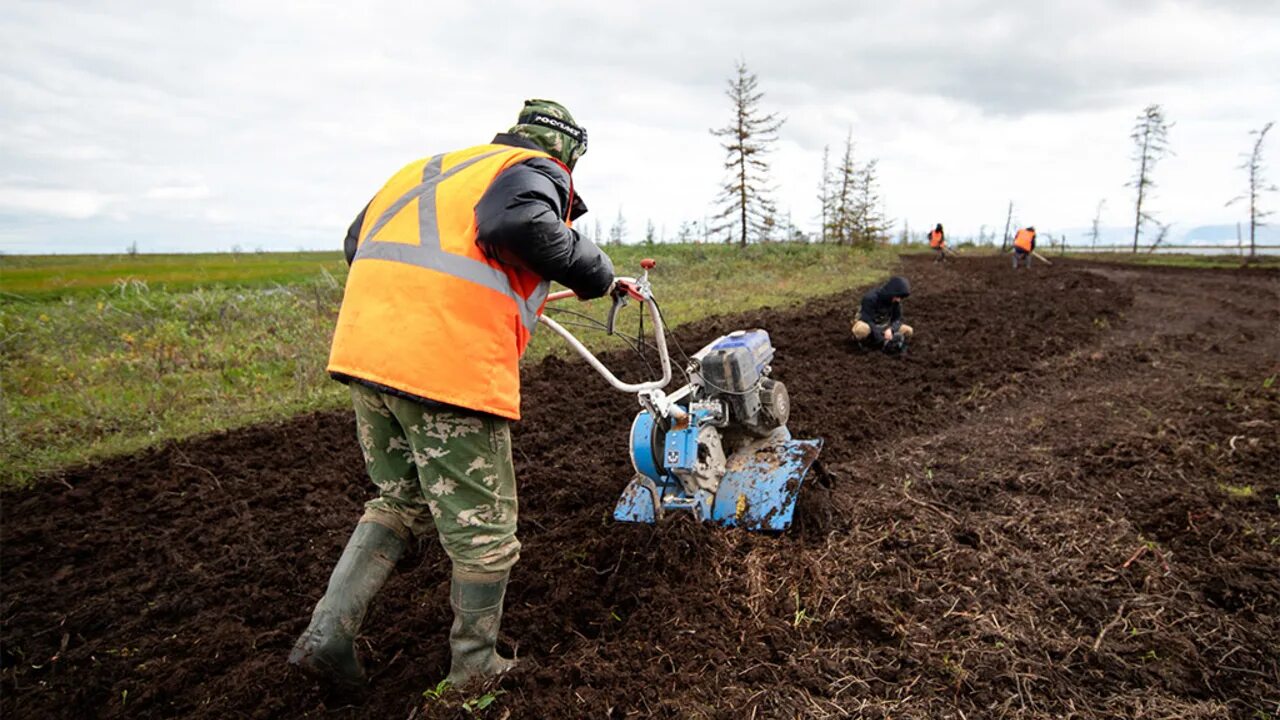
<point>879,325</point>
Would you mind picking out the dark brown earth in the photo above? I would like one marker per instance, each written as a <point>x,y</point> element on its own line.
<point>1065,502</point>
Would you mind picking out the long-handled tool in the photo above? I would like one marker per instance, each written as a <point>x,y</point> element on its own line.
<point>718,447</point>
<point>1042,258</point>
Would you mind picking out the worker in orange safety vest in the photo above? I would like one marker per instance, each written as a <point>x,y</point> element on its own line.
<point>1024,243</point>
<point>451,263</point>
<point>938,241</point>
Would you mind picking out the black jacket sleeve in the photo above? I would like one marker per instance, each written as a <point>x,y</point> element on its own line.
<point>895,316</point>
<point>353,235</point>
<point>519,221</point>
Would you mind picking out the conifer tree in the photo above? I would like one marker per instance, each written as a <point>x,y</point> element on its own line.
<point>618,233</point>
<point>844,188</point>
<point>870,225</point>
<point>748,137</point>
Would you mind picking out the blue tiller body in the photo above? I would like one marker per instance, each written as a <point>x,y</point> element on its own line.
<point>722,452</point>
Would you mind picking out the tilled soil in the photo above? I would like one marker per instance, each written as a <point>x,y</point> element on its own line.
<point>1064,502</point>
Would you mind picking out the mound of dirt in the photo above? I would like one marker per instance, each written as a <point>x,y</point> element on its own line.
<point>1060,503</point>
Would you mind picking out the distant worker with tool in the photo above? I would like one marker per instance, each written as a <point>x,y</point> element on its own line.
<point>1024,244</point>
<point>879,324</point>
<point>450,266</point>
<point>938,241</point>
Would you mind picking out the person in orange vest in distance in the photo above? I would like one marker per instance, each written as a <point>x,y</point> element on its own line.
<point>1023,245</point>
<point>938,241</point>
<point>450,267</point>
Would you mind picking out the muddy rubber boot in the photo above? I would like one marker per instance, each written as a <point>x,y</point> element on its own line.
<point>477,612</point>
<point>326,650</point>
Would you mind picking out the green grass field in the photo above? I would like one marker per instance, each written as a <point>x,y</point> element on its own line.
<point>52,276</point>
<point>102,355</point>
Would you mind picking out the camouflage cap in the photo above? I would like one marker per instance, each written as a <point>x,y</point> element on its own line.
<point>551,126</point>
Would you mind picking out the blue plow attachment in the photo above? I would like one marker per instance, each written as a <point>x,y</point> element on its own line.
<point>640,502</point>
<point>760,488</point>
<point>758,491</point>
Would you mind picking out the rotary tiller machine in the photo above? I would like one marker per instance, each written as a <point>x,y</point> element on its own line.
<point>718,447</point>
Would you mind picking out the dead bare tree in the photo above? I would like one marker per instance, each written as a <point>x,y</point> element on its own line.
<point>1097,224</point>
<point>749,136</point>
<point>1257,186</point>
<point>1150,136</point>
<point>824,192</point>
<point>1008,220</point>
<point>1162,231</point>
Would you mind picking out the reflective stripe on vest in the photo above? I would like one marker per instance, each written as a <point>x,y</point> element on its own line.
<point>425,312</point>
<point>428,253</point>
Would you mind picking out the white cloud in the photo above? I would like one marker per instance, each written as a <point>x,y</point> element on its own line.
<point>281,119</point>
<point>54,202</point>
<point>178,192</point>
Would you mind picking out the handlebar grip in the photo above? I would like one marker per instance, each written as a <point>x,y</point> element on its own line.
<point>648,263</point>
<point>618,302</point>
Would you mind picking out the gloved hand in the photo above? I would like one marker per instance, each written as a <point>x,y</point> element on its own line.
<point>621,288</point>
<point>895,344</point>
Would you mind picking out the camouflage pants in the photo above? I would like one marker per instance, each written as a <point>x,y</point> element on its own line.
<point>433,466</point>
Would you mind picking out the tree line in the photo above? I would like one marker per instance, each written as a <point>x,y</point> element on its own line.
<point>851,206</point>
<point>852,210</point>
<point>848,194</point>
<point>1150,137</point>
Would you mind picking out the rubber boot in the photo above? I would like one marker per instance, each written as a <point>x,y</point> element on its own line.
<point>326,650</point>
<point>477,612</point>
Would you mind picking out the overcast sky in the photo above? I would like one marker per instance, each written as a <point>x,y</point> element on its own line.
<point>190,126</point>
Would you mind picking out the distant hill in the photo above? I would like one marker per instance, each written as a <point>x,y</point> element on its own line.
<point>1223,234</point>
<point>1214,234</point>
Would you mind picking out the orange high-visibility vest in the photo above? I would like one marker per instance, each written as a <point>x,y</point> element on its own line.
<point>425,312</point>
<point>935,239</point>
<point>1023,239</point>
